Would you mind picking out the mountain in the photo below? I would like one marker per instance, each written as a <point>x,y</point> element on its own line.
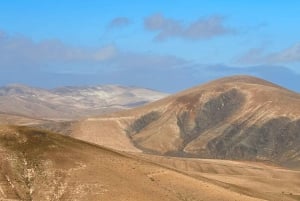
<point>239,117</point>
<point>72,102</point>
<point>37,165</point>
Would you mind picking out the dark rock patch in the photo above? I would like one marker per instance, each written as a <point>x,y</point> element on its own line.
<point>277,140</point>
<point>142,122</point>
<point>212,113</point>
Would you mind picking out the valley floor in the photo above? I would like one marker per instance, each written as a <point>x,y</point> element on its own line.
<point>254,179</point>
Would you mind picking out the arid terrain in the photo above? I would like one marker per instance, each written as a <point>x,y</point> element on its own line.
<point>236,138</point>
<point>239,118</point>
<point>67,103</point>
<point>10,119</point>
<point>109,100</point>
<point>254,179</point>
<point>37,165</point>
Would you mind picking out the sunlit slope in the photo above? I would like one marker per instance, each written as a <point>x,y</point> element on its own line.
<point>37,165</point>
<point>251,178</point>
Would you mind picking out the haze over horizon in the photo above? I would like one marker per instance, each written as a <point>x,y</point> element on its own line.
<point>148,44</point>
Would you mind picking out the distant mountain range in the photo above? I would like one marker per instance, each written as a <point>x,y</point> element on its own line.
<point>72,102</point>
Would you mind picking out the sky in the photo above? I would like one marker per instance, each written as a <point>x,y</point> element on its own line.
<point>166,45</point>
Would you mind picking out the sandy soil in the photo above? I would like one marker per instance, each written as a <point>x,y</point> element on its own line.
<point>251,178</point>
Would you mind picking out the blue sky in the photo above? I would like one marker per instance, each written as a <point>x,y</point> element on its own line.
<point>165,45</point>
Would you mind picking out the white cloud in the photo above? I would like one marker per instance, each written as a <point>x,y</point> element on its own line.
<point>203,28</point>
<point>17,51</point>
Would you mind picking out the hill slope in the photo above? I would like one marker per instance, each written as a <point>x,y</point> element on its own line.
<point>37,165</point>
<point>251,178</point>
<point>72,102</point>
<point>10,119</point>
<point>239,117</point>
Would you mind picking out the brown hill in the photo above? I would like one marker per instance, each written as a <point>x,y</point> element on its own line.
<point>37,165</point>
<point>239,117</point>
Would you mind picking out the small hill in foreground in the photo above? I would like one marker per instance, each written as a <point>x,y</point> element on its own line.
<point>38,165</point>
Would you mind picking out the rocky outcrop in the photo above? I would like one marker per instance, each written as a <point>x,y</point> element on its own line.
<point>213,112</point>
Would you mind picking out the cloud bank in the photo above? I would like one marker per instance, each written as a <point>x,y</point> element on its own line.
<point>203,28</point>
<point>259,55</point>
<point>20,51</point>
<point>51,63</point>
